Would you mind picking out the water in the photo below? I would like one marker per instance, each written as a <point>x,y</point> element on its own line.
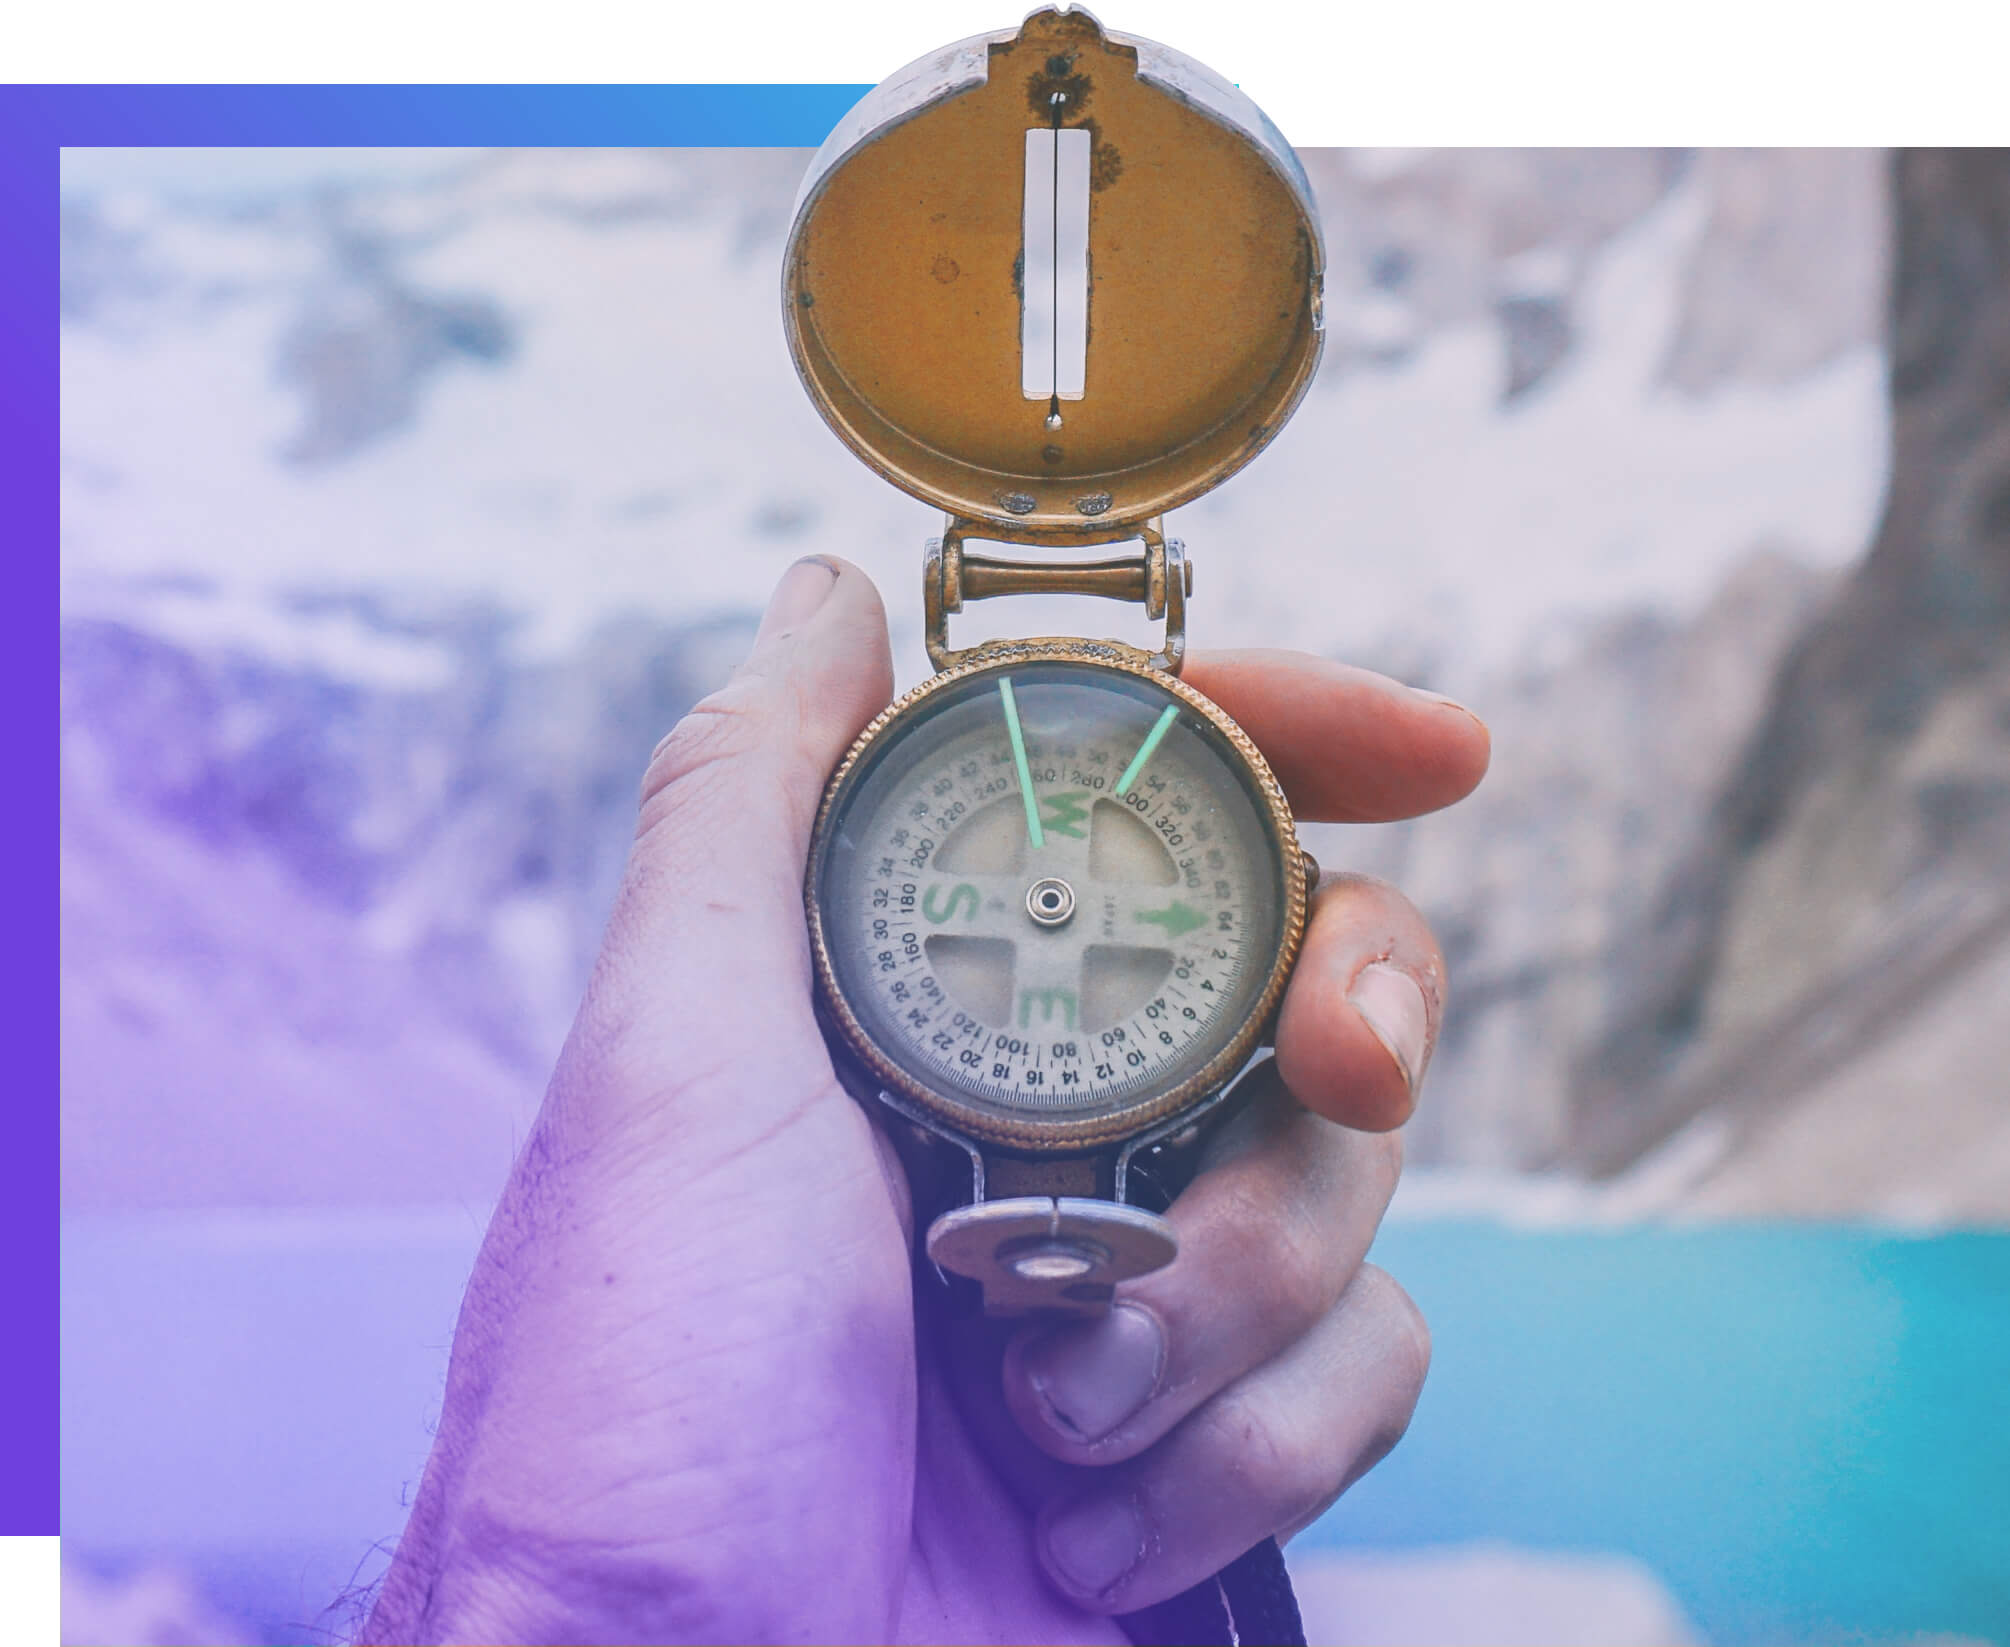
<point>1805,1432</point>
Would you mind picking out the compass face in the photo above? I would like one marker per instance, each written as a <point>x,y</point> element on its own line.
<point>1052,892</point>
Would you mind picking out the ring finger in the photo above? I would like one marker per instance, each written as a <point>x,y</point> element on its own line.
<point>1265,1456</point>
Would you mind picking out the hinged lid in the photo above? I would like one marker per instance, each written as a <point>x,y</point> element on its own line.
<point>922,334</point>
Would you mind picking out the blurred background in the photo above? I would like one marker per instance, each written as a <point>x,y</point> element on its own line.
<point>409,496</point>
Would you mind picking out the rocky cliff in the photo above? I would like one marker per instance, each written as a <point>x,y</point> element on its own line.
<point>1853,880</point>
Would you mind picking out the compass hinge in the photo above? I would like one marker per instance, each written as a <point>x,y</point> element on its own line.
<point>1157,577</point>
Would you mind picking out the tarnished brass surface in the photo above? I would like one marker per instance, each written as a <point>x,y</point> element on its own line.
<point>1047,1133</point>
<point>1122,577</point>
<point>1158,577</point>
<point>902,286</point>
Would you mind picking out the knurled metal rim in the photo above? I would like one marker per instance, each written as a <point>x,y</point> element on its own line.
<point>1060,1135</point>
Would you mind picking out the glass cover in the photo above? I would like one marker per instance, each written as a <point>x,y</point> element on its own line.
<point>1050,890</point>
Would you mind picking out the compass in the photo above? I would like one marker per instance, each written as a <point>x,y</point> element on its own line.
<point>1054,281</point>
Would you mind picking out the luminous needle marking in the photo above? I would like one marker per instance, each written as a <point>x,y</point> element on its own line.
<point>1033,831</point>
<point>1152,740</point>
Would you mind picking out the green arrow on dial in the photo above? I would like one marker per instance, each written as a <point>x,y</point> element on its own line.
<point>1177,918</point>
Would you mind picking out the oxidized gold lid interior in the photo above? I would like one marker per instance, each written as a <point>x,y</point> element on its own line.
<point>903,281</point>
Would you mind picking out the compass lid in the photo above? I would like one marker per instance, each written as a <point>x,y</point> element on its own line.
<point>951,326</point>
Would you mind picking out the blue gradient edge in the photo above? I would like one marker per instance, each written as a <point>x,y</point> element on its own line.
<point>36,123</point>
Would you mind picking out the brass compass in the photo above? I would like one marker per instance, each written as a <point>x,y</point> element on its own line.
<point>1056,282</point>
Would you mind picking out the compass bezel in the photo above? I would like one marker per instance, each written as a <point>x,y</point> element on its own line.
<point>1057,1135</point>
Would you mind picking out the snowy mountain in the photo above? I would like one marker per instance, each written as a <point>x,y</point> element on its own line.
<point>322,935</point>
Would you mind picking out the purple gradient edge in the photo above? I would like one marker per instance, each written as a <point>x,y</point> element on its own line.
<point>36,122</point>
<point>29,447</point>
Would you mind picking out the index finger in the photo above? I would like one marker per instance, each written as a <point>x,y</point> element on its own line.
<point>1347,744</point>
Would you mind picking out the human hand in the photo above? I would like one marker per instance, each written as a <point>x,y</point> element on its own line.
<point>691,1397</point>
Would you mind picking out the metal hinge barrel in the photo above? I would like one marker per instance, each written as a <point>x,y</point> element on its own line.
<point>1157,577</point>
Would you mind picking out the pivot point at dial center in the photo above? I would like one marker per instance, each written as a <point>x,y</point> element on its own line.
<point>1050,901</point>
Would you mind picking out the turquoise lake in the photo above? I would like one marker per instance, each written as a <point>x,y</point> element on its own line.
<point>1804,1432</point>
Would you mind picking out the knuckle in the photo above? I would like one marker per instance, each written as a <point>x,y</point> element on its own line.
<point>1378,904</point>
<point>1271,1463</point>
<point>1349,888</point>
<point>1382,1154</point>
<point>1302,1283</point>
<point>1272,1256</point>
<point>726,726</point>
<point>1405,1331</point>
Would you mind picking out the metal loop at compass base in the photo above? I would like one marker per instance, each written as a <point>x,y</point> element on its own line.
<point>1040,1252</point>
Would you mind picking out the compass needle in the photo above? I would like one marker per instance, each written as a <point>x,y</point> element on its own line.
<point>1152,740</point>
<point>1033,830</point>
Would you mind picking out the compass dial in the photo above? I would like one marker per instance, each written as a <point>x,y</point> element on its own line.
<point>1051,891</point>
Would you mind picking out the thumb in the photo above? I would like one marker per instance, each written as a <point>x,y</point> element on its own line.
<point>703,978</point>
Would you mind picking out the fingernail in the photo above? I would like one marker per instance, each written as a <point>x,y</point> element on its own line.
<point>1450,703</point>
<point>804,587</point>
<point>1094,1546</point>
<point>1088,1379</point>
<point>1392,1005</point>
